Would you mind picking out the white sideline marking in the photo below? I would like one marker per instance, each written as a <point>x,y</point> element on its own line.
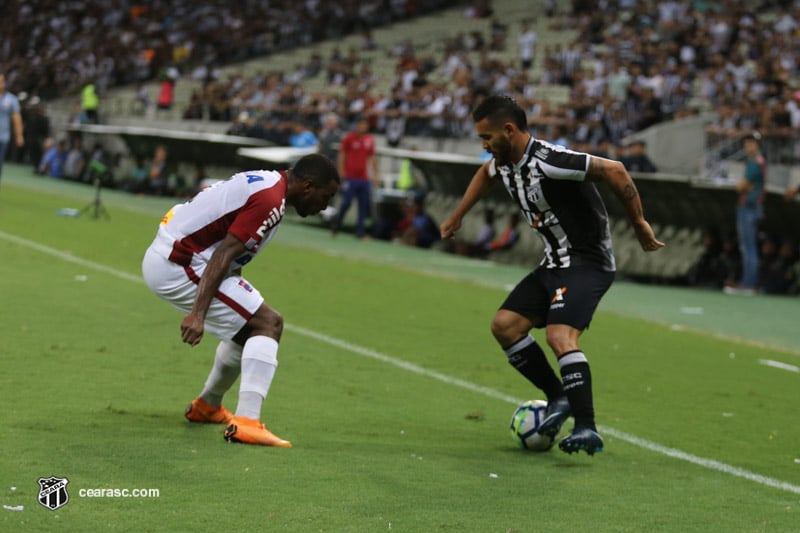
<point>778,364</point>
<point>631,439</point>
<point>411,367</point>
<point>66,256</point>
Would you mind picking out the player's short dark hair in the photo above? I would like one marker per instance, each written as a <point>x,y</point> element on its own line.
<point>316,167</point>
<point>501,108</point>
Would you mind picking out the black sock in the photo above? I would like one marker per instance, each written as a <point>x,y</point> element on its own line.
<point>578,386</point>
<point>528,358</point>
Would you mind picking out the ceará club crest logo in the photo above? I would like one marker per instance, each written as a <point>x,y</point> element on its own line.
<point>53,492</point>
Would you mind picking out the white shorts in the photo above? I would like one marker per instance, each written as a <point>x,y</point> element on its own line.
<point>235,303</point>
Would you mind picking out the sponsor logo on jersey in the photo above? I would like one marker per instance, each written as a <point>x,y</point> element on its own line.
<point>252,178</point>
<point>246,286</point>
<point>275,215</point>
<point>542,153</point>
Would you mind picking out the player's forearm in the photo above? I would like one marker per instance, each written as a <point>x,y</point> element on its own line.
<point>625,190</point>
<point>217,269</point>
<point>630,199</point>
<point>207,288</point>
<point>477,188</point>
<point>613,173</point>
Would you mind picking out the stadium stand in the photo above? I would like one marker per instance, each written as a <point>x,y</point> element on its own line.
<point>695,77</point>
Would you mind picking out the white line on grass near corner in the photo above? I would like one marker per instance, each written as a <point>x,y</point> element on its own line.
<point>66,256</point>
<point>411,367</point>
<point>778,364</point>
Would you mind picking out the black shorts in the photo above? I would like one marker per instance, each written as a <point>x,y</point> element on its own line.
<point>560,295</point>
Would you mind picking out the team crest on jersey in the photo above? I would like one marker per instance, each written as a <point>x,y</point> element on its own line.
<point>558,299</point>
<point>53,492</point>
<point>534,192</point>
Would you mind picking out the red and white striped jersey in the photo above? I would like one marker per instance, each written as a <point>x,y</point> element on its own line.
<point>250,205</point>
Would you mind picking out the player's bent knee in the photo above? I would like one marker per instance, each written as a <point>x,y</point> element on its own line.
<point>562,339</point>
<point>499,330</point>
<point>507,328</point>
<point>266,322</point>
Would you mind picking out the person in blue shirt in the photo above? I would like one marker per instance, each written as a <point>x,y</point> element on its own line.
<point>54,160</point>
<point>302,137</point>
<point>749,211</point>
<point>418,228</point>
<point>10,117</point>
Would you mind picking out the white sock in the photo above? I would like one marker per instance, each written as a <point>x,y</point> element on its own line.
<point>227,364</point>
<point>259,361</point>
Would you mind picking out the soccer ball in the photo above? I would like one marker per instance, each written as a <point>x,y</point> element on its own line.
<point>526,422</point>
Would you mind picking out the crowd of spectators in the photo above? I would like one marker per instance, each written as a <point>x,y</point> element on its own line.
<point>50,48</point>
<point>632,65</point>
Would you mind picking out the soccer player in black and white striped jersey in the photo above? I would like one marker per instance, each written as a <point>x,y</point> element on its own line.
<point>555,189</point>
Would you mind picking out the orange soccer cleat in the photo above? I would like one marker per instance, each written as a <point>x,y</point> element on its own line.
<point>202,411</point>
<point>251,431</point>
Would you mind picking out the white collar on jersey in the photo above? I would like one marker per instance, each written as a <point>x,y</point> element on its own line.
<point>519,163</point>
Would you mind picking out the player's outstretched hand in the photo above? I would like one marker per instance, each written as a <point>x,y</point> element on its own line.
<point>192,329</point>
<point>647,239</point>
<point>449,227</point>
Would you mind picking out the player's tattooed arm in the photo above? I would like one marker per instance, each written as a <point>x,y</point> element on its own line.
<point>614,174</point>
<point>630,196</point>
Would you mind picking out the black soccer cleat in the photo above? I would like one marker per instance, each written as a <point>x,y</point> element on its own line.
<point>554,417</point>
<point>584,439</point>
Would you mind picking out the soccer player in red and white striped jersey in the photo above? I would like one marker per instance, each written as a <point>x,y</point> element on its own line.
<point>195,264</point>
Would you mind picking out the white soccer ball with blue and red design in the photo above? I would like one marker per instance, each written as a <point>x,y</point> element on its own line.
<point>526,422</point>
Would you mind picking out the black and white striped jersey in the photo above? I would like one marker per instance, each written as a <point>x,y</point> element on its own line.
<point>549,186</point>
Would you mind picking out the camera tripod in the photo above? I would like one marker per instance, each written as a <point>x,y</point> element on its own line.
<point>96,205</point>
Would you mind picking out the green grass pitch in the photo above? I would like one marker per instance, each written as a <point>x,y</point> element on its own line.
<point>390,386</point>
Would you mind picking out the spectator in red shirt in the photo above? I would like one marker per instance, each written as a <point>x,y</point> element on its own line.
<point>356,162</point>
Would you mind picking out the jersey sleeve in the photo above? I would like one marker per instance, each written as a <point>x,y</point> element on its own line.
<point>260,213</point>
<point>564,164</point>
